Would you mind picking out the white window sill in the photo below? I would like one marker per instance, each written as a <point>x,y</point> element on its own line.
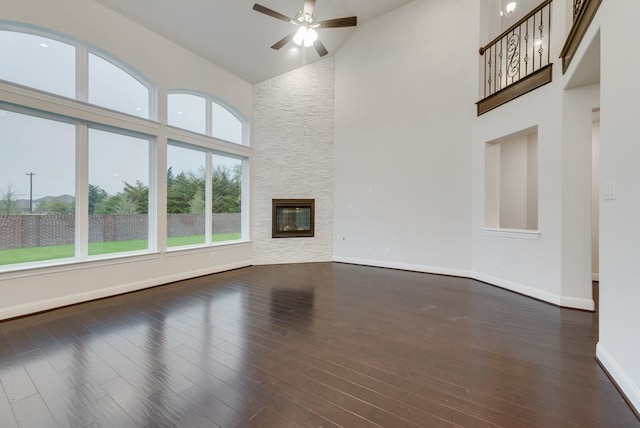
<point>513,233</point>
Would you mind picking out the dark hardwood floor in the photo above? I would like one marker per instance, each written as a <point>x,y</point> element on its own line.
<point>317,345</point>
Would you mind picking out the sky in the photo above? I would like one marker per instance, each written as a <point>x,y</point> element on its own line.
<point>47,148</point>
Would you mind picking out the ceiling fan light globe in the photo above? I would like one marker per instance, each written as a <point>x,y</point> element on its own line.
<point>310,37</point>
<point>300,36</point>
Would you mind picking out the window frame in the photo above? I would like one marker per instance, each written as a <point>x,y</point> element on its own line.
<point>209,99</point>
<point>209,151</point>
<point>84,116</point>
<point>83,49</point>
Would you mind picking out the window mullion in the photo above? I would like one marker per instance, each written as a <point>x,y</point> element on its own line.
<point>244,201</point>
<point>82,192</point>
<point>152,194</point>
<point>208,210</point>
<point>82,73</point>
<point>209,117</point>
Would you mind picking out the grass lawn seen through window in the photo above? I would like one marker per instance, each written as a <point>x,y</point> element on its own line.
<point>34,254</point>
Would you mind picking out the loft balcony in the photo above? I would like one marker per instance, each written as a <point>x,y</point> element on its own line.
<point>518,60</point>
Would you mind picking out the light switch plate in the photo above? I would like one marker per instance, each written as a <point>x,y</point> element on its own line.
<point>609,191</point>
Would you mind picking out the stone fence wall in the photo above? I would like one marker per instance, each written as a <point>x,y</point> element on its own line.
<point>26,231</point>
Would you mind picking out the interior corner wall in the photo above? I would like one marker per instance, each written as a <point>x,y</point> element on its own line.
<point>292,142</point>
<point>577,143</point>
<point>404,103</point>
<point>619,348</point>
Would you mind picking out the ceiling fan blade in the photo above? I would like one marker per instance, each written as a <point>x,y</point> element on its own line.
<point>309,5</point>
<point>350,21</point>
<point>322,51</point>
<point>286,39</point>
<point>259,8</point>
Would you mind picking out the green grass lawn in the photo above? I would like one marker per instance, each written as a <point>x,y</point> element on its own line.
<point>34,254</point>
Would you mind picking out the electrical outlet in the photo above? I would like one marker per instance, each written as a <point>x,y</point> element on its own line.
<point>387,250</point>
<point>496,263</point>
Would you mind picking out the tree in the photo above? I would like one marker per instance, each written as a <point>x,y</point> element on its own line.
<point>9,203</point>
<point>181,190</point>
<point>197,204</point>
<point>226,190</point>
<point>116,205</point>
<point>138,195</point>
<point>96,196</point>
<point>56,206</point>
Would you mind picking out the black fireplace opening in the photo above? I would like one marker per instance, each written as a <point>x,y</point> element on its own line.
<point>293,218</point>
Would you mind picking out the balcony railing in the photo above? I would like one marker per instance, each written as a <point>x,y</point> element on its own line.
<point>518,60</point>
<point>583,13</point>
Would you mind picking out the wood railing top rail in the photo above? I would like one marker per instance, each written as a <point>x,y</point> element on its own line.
<point>514,26</point>
<point>581,20</point>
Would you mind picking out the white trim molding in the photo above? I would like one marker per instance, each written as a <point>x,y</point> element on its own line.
<point>58,302</point>
<point>555,299</point>
<point>622,380</point>
<point>512,233</point>
<point>404,266</point>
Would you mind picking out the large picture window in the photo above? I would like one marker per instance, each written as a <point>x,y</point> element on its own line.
<point>80,183</point>
<point>226,197</point>
<point>198,179</point>
<point>118,193</point>
<point>186,178</point>
<point>37,189</point>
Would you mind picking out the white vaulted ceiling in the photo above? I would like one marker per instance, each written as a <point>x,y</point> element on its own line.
<point>235,37</point>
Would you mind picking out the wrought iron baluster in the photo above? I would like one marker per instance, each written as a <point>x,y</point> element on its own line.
<point>533,56</point>
<point>541,27</point>
<point>510,57</point>
<point>526,55</point>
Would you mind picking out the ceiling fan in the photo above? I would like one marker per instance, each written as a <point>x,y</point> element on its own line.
<point>306,22</point>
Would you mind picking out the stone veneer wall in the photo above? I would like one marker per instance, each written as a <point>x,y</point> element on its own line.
<point>292,140</point>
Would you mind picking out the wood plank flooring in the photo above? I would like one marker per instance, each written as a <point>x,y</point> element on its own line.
<point>311,345</point>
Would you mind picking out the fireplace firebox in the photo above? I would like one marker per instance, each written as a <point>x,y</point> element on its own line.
<point>293,218</point>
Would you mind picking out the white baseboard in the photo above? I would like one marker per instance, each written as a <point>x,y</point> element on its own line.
<point>404,266</point>
<point>58,302</point>
<point>624,382</point>
<point>555,299</point>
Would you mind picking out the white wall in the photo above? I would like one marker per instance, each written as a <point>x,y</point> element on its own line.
<point>513,183</point>
<point>167,65</point>
<point>577,141</point>
<point>544,266</point>
<point>619,346</point>
<point>595,199</point>
<point>404,99</point>
<point>532,181</point>
<point>293,152</point>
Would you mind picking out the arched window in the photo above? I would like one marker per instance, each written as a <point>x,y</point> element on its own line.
<point>188,111</point>
<point>204,114</point>
<point>112,87</point>
<point>39,62</point>
<point>53,64</point>
<point>225,125</point>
